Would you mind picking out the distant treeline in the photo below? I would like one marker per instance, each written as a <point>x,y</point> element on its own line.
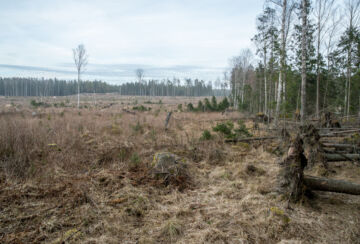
<point>55,87</point>
<point>50,87</point>
<point>169,88</point>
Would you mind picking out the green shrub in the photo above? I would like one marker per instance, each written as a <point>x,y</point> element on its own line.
<point>134,160</point>
<point>224,104</point>
<point>206,135</point>
<point>225,129</point>
<point>190,107</point>
<point>36,104</point>
<point>141,108</point>
<point>200,106</point>
<point>242,130</point>
<point>214,104</point>
<point>208,106</point>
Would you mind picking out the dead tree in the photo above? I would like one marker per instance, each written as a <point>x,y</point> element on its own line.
<point>80,59</point>
<point>167,120</point>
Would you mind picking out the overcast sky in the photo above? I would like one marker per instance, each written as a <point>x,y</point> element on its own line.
<point>195,38</point>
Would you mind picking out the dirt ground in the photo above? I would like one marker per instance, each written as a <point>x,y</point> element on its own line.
<point>73,175</point>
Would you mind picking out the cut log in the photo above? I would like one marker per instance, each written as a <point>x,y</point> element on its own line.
<point>339,133</point>
<point>251,139</point>
<point>341,146</point>
<point>339,186</point>
<point>338,129</point>
<point>129,112</point>
<point>336,157</point>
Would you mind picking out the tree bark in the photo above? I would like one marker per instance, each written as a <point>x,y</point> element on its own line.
<point>78,97</point>
<point>303,62</point>
<point>323,184</point>
<point>265,83</point>
<point>282,59</point>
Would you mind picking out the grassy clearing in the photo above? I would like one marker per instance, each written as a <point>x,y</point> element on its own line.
<point>84,176</point>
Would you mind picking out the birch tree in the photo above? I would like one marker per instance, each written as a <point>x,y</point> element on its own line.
<point>303,59</point>
<point>140,75</point>
<point>331,38</point>
<point>240,67</point>
<point>287,8</point>
<point>81,60</point>
<point>322,13</point>
<point>352,11</point>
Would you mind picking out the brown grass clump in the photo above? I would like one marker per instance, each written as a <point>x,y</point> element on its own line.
<point>171,230</point>
<point>21,146</point>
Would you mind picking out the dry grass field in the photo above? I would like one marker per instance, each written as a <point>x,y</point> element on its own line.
<point>73,175</point>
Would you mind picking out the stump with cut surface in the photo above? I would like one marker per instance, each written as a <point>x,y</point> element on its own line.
<point>169,169</point>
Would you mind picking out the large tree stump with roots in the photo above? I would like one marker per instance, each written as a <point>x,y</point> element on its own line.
<point>293,184</point>
<point>328,122</point>
<point>312,147</point>
<point>291,175</point>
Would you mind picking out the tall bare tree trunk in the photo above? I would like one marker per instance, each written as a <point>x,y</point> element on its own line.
<point>323,11</point>
<point>282,59</point>
<point>348,71</point>
<point>78,101</point>
<point>303,62</point>
<point>318,66</point>
<point>265,84</point>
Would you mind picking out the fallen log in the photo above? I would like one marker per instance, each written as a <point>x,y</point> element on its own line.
<point>336,157</point>
<point>341,146</point>
<point>248,139</point>
<point>129,112</point>
<point>339,186</point>
<point>337,133</point>
<point>338,129</point>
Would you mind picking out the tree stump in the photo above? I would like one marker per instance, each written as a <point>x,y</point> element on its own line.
<point>291,175</point>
